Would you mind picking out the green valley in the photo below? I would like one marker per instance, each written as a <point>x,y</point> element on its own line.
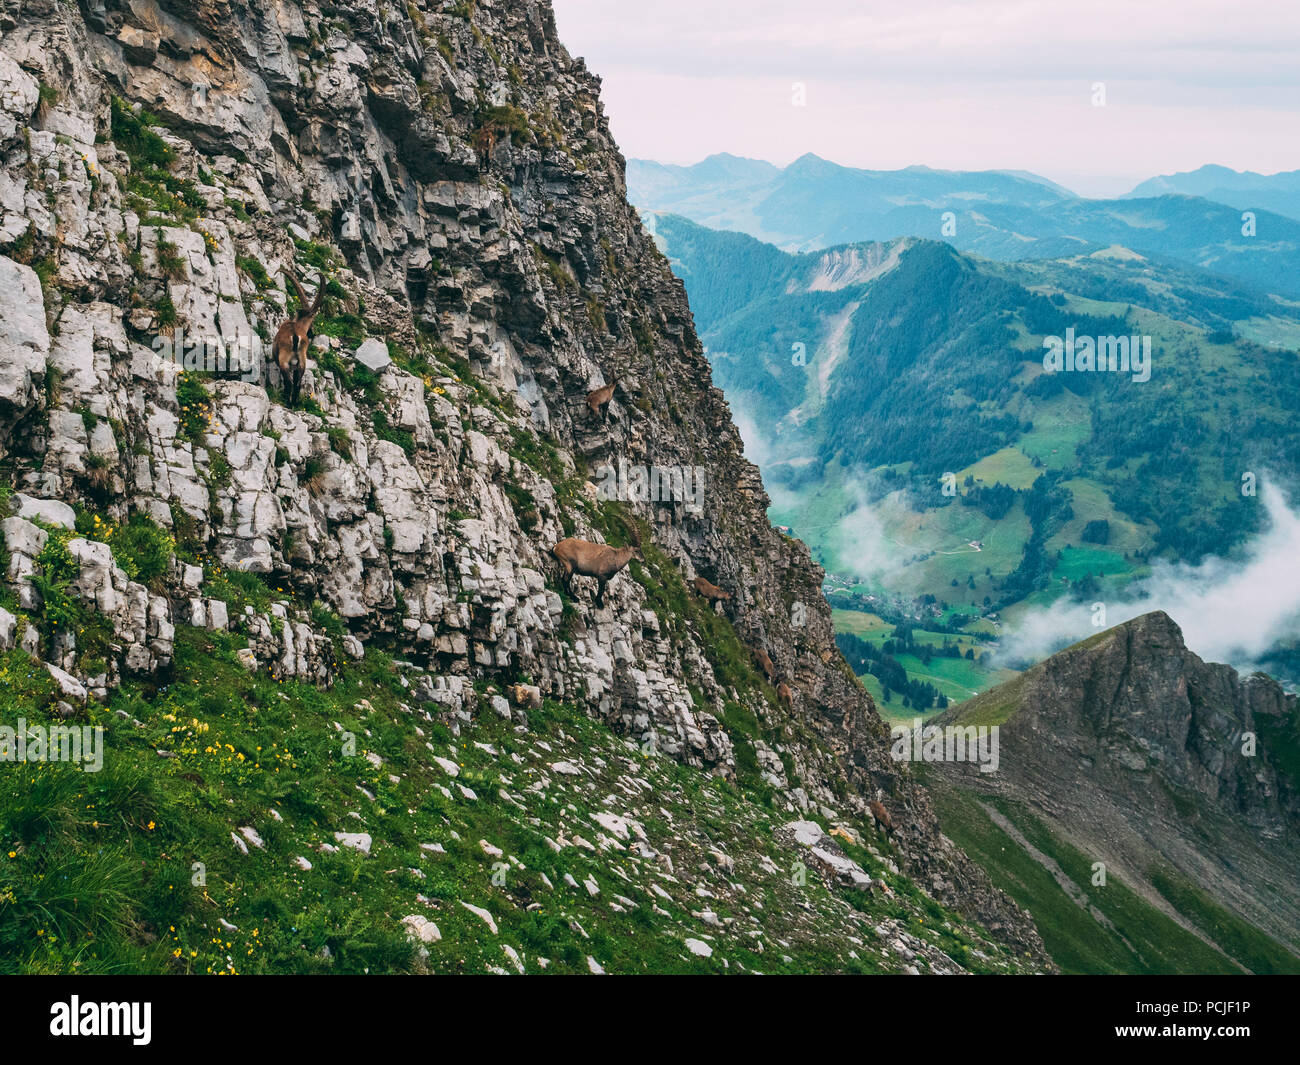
<point>913,438</point>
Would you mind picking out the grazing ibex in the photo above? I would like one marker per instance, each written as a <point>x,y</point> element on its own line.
<point>785,695</point>
<point>598,400</point>
<point>711,592</point>
<point>592,560</point>
<point>764,661</point>
<point>289,348</point>
<point>880,816</point>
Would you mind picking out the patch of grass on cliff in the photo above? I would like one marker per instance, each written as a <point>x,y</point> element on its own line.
<point>391,433</point>
<point>61,614</point>
<point>541,454</point>
<point>132,133</point>
<point>150,188</point>
<point>141,548</point>
<point>349,328</point>
<point>323,257</point>
<point>195,404</point>
<point>159,196</point>
<point>352,377</point>
<point>550,266</point>
<point>238,589</point>
<point>504,118</point>
<point>252,266</point>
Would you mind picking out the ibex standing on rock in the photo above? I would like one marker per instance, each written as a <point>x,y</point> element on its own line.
<point>592,560</point>
<point>289,348</point>
<point>598,400</point>
<point>880,816</point>
<point>764,661</point>
<point>785,695</point>
<point>711,592</point>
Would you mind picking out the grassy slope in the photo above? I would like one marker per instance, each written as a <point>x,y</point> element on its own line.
<point>1140,940</point>
<point>97,869</point>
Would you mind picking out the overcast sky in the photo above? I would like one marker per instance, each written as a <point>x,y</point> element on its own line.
<point>988,84</point>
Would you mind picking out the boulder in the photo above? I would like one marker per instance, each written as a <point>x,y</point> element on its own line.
<point>373,355</point>
<point>24,342</point>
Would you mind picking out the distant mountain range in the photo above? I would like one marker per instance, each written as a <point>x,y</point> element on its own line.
<point>1246,190</point>
<point>1191,219</point>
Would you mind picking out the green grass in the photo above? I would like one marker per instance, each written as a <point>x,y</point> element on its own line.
<point>1142,940</point>
<point>98,871</point>
<point>957,678</point>
<point>993,707</point>
<point>1079,562</point>
<point>1010,466</point>
<point>860,623</point>
<point>1255,950</point>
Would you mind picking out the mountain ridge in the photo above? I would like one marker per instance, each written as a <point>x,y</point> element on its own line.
<point>1168,770</point>
<point>997,214</point>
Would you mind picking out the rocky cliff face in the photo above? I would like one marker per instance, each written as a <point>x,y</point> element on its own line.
<point>1149,760</point>
<point>447,172</point>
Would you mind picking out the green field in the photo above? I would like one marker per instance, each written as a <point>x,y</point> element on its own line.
<point>1009,466</point>
<point>1079,562</point>
<point>958,678</point>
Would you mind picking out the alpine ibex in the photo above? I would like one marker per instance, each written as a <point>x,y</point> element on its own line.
<point>711,591</point>
<point>592,560</point>
<point>598,400</point>
<point>764,661</point>
<point>880,816</point>
<point>289,348</point>
<point>785,695</point>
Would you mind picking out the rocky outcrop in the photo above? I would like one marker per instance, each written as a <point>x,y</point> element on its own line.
<point>450,171</point>
<point>1144,757</point>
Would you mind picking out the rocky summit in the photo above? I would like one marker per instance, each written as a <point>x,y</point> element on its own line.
<point>354,715</point>
<point>1146,806</point>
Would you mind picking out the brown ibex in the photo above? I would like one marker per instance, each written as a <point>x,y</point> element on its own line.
<point>764,661</point>
<point>711,591</point>
<point>289,348</point>
<point>785,695</point>
<point>592,560</point>
<point>880,816</point>
<point>598,400</point>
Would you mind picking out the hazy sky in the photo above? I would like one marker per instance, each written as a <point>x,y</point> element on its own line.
<point>989,84</point>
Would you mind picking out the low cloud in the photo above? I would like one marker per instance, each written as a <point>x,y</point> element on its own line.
<point>757,448</point>
<point>860,542</point>
<point>1230,610</point>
